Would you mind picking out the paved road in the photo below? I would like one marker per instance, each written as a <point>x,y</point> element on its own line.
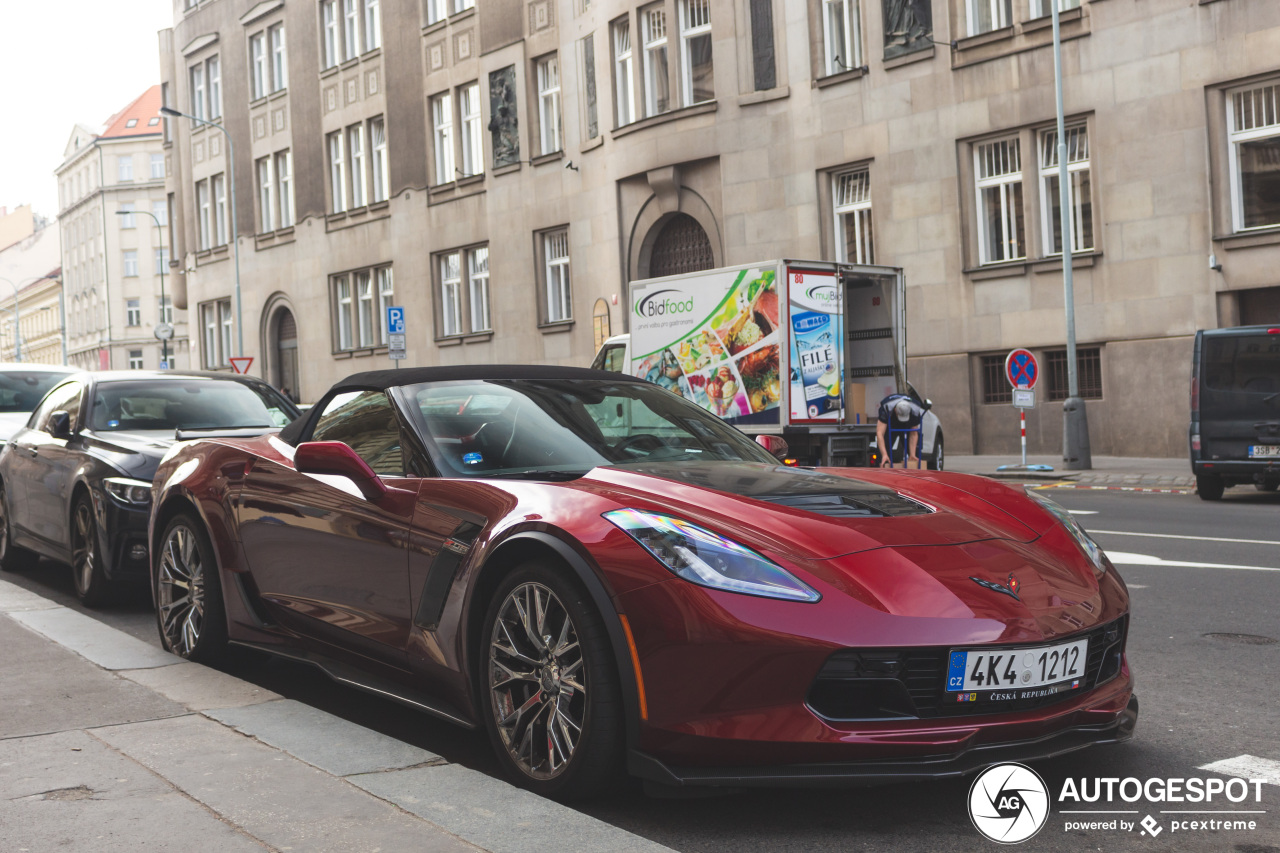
<point>1204,698</point>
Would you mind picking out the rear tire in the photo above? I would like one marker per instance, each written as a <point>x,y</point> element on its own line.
<point>187,591</point>
<point>87,574</point>
<point>13,558</point>
<point>936,460</point>
<point>566,747</point>
<point>1267,485</point>
<point>1210,487</point>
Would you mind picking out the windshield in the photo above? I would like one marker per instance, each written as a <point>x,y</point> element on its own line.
<point>169,404</point>
<point>22,390</point>
<point>533,428</point>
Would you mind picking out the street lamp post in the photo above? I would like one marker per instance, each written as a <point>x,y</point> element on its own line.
<point>164,342</point>
<point>235,231</point>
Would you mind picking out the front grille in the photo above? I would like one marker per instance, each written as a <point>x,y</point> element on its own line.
<point>890,683</point>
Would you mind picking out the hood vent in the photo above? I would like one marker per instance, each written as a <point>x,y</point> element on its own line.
<point>861,505</point>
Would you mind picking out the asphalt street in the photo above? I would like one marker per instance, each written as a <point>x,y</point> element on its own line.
<point>1204,578</point>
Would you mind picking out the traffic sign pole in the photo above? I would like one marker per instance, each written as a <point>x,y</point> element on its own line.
<point>1022,415</point>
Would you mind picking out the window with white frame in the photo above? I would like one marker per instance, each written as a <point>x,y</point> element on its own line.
<point>463,5</point>
<point>350,28</point>
<point>657,87</point>
<point>372,25</point>
<point>160,210</point>
<point>472,130</point>
<point>225,320</point>
<point>258,73</point>
<point>344,303</point>
<point>330,46</point>
<point>442,122</point>
<point>851,204</point>
<point>463,295</point>
<point>356,161</point>
<point>337,174</point>
<point>204,213</point>
<point>624,84</point>
<point>219,184</point>
<point>386,298</point>
<point>135,359</point>
<point>437,10</point>
<point>165,307</point>
<point>998,182</point>
<point>162,260</point>
<point>842,35</point>
<point>213,70</point>
<point>130,263</point>
<point>1081,200</point>
<point>284,187</point>
<point>215,327</point>
<point>124,168</point>
<point>1253,154</point>
<point>279,58</point>
<point>266,195</point>
<point>198,98</point>
<point>125,215</point>
<point>450,294</point>
<point>1040,8</point>
<point>696,73</point>
<point>987,15</point>
<point>379,166</point>
<point>157,167</point>
<point>360,298</point>
<point>364,307</point>
<point>478,285</point>
<point>133,312</point>
<point>555,255</point>
<point>549,103</point>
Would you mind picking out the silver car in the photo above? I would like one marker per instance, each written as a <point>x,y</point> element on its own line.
<point>22,387</point>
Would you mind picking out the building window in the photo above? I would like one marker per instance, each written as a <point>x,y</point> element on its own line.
<point>657,88</point>
<point>995,385</point>
<point>463,5</point>
<point>329,32</point>
<point>130,263</point>
<point>157,167</point>
<point>198,92</point>
<point>266,194</point>
<point>763,54</point>
<point>372,25</point>
<point>355,153</point>
<point>436,11</point>
<point>337,174</point>
<point>220,209</point>
<point>215,322</point>
<point>1253,134</point>
<point>350,29</point>
<point>258,65</point>
<point>450,294</point>
<point>442,121</point>
<point>852,206</point>
<point>160,210</point>
<point>135,359</point>
<point>162,260</point>
<point>842,25</point>
<point>696,77</point>
<point>998,172</point>
<point>1088,373</point>
<point>549,103</point>
<point>478,283</point>
<point>225,319</point>
<point>381,178</point>
<point>206,89</point>
<point>204,214</point>
<point>1040,8</point>
<point>464,304</point>
<point>279,59</point>
<point>284,187</point>
<point>124,168</point>
<point>559,296</point>
<point>360,299</point>
<point>126,217</point>
<point>133,309</point>
<point>214,71</point>
<point>1081,192</point>
<point>166,309</point>
<point>987,15</point>
<point>472,139</point>
<point>623,74</point>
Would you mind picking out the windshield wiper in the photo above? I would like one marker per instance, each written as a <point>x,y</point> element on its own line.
<point>553,475</point>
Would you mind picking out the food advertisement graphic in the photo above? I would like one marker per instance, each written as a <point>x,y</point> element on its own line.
<point>816,346</point>
<point>713,340</point>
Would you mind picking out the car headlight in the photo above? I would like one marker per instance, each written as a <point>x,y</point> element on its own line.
<point>700,556</point>
<point>1083,539</point>
<point>129,492</point>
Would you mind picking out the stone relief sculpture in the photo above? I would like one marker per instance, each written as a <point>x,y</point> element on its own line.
<point>908,26</point>
<point>503,123</point>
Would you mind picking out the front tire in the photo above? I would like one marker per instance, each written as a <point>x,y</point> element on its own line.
<point>936,459</point>
<point>549,685</point>
<point>188,592</point>
<point>1210,487</point>
<point>87,573</point>
<point>13,558</point>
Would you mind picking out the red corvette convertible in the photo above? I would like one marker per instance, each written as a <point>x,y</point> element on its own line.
<point>606,578</point>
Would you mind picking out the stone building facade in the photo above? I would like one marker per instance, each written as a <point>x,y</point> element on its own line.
<point>502,168</point>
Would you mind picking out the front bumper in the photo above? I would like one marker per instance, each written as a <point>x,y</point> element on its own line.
<point>124,539</point>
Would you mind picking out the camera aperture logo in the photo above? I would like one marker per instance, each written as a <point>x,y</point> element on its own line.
<point>1009,803</point>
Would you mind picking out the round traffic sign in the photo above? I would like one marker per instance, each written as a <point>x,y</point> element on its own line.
<point>1021,369</point>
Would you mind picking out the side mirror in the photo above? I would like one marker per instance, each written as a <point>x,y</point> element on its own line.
<point>336,457</point>
<point>928,404</point>
<point>775,444</point>
<point>60,424</point>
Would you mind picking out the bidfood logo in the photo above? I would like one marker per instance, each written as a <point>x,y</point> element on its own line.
<point>664,303</point>
<point>822,293</point>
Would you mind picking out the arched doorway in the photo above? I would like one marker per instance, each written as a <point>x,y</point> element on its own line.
<point>682,246</point>
<point>286,356</point>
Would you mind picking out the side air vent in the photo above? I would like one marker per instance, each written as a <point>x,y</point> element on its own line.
<point>861,505</point>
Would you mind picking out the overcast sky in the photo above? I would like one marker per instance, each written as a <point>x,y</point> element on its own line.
<point>62,62</point>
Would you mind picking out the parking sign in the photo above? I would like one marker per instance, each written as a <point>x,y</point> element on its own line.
<point>395,320</point>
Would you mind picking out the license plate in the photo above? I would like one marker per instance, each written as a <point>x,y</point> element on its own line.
<point>1262,451</point>
<point>1019,673</point>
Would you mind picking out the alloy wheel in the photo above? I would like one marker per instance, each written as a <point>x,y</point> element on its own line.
<point>180,591</point>
<point>84,549</point>
<point>537,681</point>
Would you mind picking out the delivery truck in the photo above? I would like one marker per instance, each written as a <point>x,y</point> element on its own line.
<point>805,350</point>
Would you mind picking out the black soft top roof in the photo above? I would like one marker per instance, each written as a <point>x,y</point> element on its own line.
<point>384,379</point>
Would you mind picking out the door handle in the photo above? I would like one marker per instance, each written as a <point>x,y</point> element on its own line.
<point>29,449</point>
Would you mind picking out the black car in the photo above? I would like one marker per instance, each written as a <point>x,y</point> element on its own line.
<point>75,482</point>
<point>1235,409</point>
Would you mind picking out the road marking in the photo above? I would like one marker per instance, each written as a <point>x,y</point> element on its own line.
<point>1190,490</point>
<point>1193,538</point>
<point>1247,767</point>
<point>1122,558</point>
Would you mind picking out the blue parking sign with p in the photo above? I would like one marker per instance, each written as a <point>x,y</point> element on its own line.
<point>395,320</point>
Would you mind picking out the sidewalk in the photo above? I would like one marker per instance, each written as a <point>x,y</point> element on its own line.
<point>109,744</point>
<point>1122,471</point>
